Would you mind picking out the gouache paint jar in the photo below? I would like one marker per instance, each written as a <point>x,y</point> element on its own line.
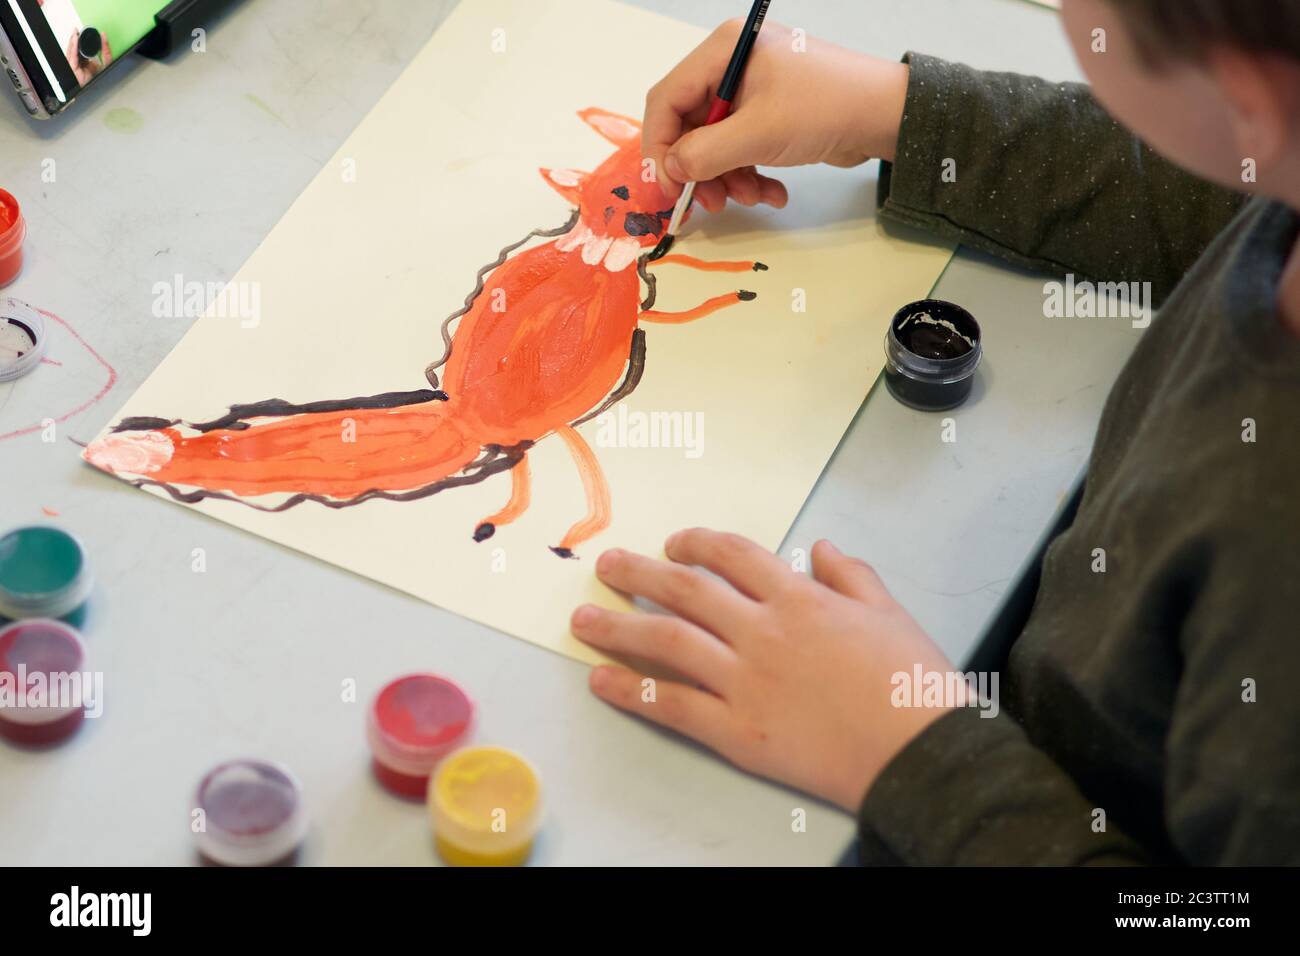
<point>252,814</point>
<point>13,230</point>
<point>42,702</point>
<point>22,339</point>
<point>44,572</point>
<point>413,723</point>
<point>485,804</point>
<point>932,350</point>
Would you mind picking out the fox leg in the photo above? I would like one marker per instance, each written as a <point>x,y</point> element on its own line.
<point>707,307</point>
<point>521,481</point>
<point>703,265</point>
<point>593,483</point>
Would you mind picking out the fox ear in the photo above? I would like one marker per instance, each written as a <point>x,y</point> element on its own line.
<point>619,130</point>
<point>566,182</point>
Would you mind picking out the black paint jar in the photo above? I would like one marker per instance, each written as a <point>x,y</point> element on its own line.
<point>931,352</point>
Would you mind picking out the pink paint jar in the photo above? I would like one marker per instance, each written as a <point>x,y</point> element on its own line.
<point>253,814</point>
<point>13,230</point>
<point>43,670</point>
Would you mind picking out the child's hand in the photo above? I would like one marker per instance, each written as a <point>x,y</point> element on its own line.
<point>793,671</point>
<point>817,104</point>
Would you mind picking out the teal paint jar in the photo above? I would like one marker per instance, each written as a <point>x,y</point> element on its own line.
<point>44,572</point>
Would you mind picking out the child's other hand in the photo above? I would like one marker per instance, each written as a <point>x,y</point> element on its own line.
<point>793,672</point>
<point>802,101</point>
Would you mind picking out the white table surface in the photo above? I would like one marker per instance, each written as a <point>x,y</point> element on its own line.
<point>183,167</point>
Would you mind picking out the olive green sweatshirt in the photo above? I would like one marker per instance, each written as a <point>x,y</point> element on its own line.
<point>1150,709</point>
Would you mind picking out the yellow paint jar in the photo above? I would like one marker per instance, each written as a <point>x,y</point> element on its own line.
<point>486,807</point>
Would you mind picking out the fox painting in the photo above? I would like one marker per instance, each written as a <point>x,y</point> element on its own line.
<point>549,338</point>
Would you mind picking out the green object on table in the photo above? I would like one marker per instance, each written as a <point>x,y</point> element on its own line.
<point>123,23</point>
<point>43,573</point>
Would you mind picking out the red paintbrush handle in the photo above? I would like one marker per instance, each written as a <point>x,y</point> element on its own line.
<point>719,111</point>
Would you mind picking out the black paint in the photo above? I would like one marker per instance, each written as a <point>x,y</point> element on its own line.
<point>236,419</point>
<point>642,224</point>
<point>661,250</point>
<point>635,369</point>
<point>932,350</point>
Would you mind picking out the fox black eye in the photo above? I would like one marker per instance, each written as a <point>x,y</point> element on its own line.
<point>621,192</point>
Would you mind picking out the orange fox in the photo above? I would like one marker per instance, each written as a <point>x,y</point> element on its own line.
<point>547,340</point>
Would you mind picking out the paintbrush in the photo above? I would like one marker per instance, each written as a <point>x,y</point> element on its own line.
<point>719,111</point>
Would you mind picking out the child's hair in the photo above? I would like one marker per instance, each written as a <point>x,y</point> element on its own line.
<point>1173,29</point>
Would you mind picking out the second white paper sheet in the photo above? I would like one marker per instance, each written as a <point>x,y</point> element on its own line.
<point>354,282</point>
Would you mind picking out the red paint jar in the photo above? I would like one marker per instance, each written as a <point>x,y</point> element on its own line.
<point>413,723</point>
<point>43,696</point>
<point>13,230</point>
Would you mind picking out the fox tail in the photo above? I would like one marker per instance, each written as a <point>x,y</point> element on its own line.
<point>399,446</point>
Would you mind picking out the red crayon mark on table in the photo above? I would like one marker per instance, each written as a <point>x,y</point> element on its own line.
<point>109,382</point>
<point>549,338</point>
<point>51,512</point>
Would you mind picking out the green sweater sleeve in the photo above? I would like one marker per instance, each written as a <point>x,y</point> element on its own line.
<point>973,791</point>
<point>1038,174</point>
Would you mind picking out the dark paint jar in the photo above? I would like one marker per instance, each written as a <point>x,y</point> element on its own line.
<point>932,350</point>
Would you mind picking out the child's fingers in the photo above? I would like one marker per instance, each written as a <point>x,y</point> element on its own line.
<point>685,91</point>
<point>660,638</point>
<point>742,186</point>
<point>753,570</point>
<point>711,195</point>
<point>849,576</point>
<point>708,152</point>
<point>695,713</point>
<point>711,604</point>
<point>773,191</point>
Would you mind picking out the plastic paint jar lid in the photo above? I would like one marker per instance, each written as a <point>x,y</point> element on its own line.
<point>22,339</point>
<point>413,723</point>
<point>44,572</point>
<point>932,350</point>
<point>13,230</point>
<point>253,813</point>
<point>42,669</point>
<point>485,804</point>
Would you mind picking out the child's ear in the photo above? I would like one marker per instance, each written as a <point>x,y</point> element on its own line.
<point>619,130</point>
<point>1258,107</point>
<point>566,182</point>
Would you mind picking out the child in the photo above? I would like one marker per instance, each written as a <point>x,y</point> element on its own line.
<point>1164,691</point>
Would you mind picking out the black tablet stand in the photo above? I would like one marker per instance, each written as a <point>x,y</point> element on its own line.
<point>176,25</point>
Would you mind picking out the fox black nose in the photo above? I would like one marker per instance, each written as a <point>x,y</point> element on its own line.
<point>642,224</point>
